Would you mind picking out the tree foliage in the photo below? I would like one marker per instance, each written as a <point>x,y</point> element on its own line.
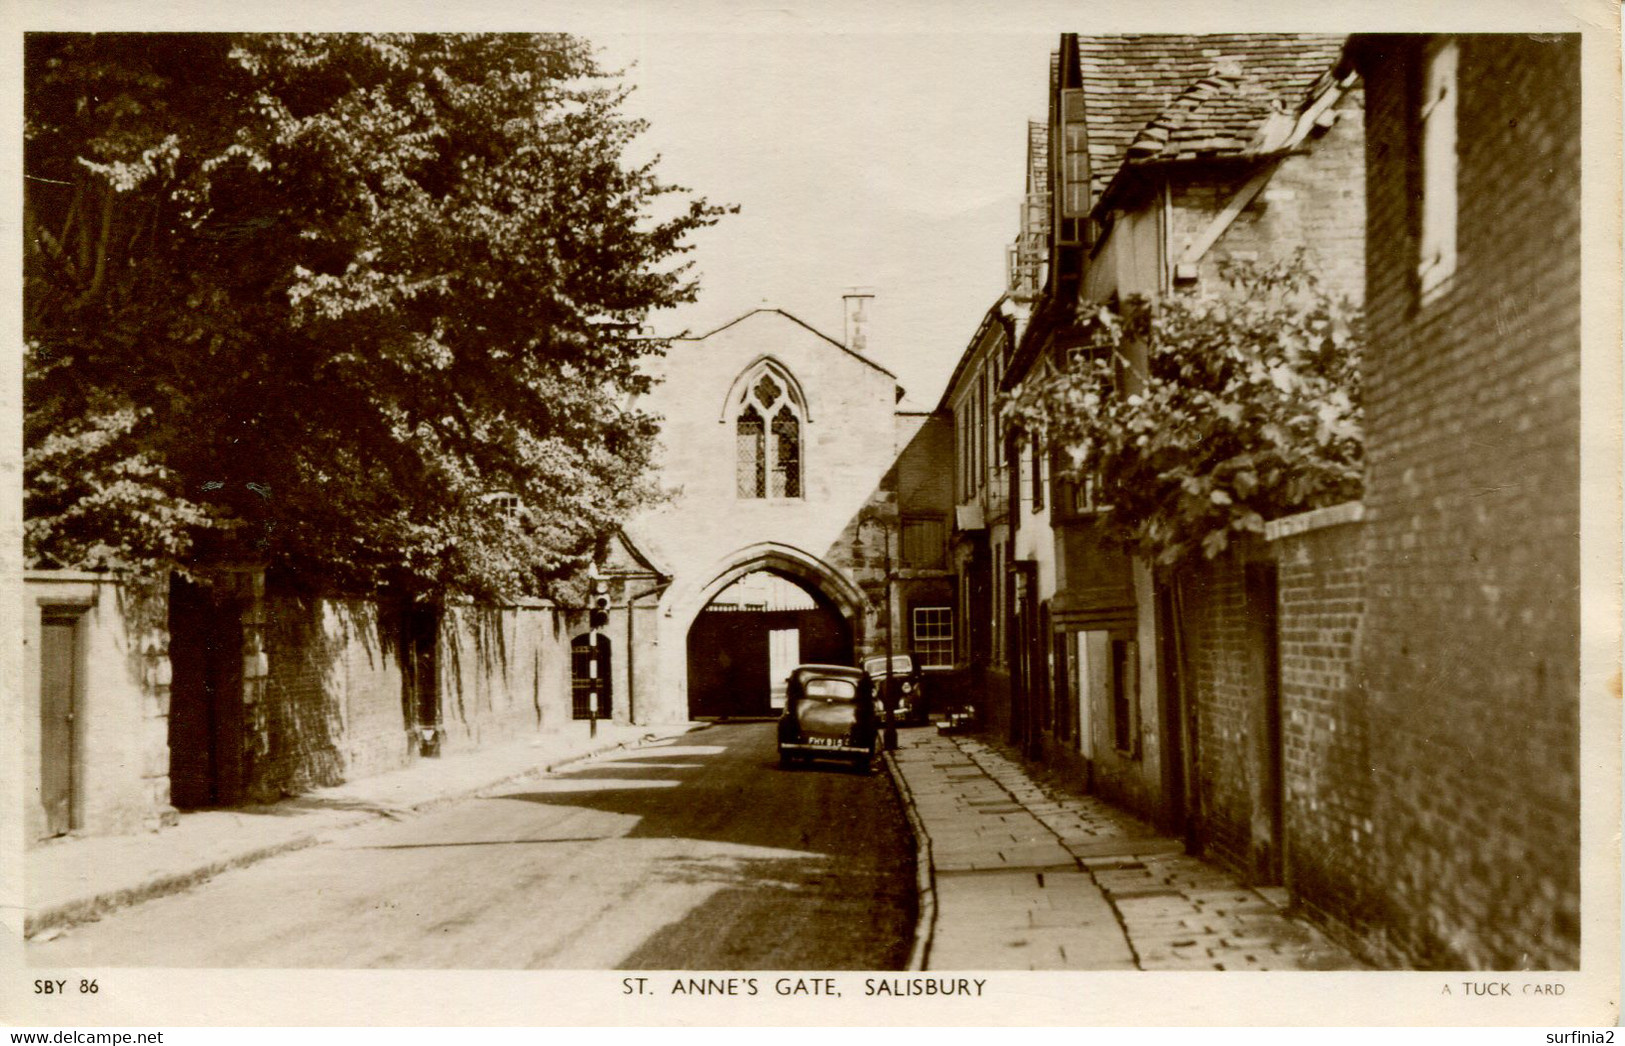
<point>1197,419</point>
<point>317,298</point>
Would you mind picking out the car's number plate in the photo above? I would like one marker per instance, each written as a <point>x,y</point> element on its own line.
<point>827,742</point>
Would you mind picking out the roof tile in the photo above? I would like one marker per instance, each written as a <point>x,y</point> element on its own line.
<point>1167,96</point>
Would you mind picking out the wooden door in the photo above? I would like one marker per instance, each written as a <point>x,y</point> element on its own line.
<point>59,684</point>
<point>207,762</point>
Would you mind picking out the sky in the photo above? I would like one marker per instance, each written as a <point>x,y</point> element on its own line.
<point>887,160</point>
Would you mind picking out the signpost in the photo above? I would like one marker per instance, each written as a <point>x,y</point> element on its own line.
<point>597,618</point>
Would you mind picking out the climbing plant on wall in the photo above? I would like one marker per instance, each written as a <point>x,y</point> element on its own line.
<point>1195,419</point>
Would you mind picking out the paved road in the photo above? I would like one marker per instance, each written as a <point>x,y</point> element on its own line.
<point>695,854</point>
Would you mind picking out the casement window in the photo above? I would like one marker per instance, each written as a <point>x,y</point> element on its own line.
<point>934,636</point>
<point>768,441</point>
<point>1437,119</point>
<point>786,454</point>
<point>963,419</point>
<point>1080,496</point>
<point>997,614</point>
<point>1012,467</point>
<point>506,505</point>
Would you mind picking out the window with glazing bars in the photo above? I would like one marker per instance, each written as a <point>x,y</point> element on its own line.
<point>934,636</point>
<point>787,454</point>
<point>752,455</point>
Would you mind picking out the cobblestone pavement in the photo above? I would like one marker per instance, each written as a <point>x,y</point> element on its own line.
<point>1029,876</point>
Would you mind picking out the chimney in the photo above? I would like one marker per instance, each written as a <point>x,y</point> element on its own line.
<point>859,302</point>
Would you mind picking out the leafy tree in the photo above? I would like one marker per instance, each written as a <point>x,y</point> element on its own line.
<point>1246,407</point>
<point>317,299</point>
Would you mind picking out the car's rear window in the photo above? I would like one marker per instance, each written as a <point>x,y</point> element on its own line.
<point>900,665</point>
<point>832,689</point>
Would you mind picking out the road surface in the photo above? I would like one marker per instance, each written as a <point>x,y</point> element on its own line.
<point>694,854</point>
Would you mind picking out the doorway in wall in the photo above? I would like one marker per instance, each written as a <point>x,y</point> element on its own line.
<point>206,715</point>
<point>61,680</point>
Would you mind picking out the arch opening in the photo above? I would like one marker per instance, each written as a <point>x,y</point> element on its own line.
<point>758,625</point>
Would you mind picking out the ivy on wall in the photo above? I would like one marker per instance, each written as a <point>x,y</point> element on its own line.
<point>1195,419</point>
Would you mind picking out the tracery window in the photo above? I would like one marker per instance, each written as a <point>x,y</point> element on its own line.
<point>786,454</point>
<point>752,458</point>
<point>768,461</point>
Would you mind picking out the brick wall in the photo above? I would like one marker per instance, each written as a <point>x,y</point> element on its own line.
<point>1472,406</point>
<point>1315,200</point>
<point>1331,864</point>
<point>1223,685</point>
<point>1428,656</point>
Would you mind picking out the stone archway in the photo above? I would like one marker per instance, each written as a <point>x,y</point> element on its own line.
<point>726,656</point>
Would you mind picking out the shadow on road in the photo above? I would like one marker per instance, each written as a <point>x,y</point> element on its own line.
<point>838,895</point>
<point>740,796</point>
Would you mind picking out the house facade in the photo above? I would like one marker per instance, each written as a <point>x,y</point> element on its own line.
<point>1375,704</point>
<point>982,513</point>
<point>1167,159</point>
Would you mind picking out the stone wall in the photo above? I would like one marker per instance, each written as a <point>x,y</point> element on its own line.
<point>330,705</point>
<point>706,533</point>
<point>505,672</point>
<point>120,748</point>
<point>318,700</point>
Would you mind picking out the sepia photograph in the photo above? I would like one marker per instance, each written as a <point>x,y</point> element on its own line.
<point>814,516</point>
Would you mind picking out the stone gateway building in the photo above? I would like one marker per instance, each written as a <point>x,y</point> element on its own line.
<point>800,521</point>
<point>806,520</point>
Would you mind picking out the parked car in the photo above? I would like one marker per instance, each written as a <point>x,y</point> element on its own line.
<point>829,713</point>
<point>907,687</point>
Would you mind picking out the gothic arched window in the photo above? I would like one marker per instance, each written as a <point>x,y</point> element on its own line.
<point>786,454</point>
<point>752,458</point>
<point>768,462</point>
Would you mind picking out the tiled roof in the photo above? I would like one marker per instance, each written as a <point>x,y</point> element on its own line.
<point>1163,96</point>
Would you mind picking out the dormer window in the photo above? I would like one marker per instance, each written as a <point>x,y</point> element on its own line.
<point>768,422</point>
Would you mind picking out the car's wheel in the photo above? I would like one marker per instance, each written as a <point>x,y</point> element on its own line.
<point>787,760</point>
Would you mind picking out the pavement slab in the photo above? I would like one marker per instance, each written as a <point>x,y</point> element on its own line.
<point>1028,875</point>
<point>79,878</point>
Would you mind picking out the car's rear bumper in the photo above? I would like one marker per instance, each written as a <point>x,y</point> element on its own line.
<point>790,746</point>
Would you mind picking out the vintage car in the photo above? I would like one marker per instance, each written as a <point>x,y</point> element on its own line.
<point>907,683</point>
<point>829,713</point>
